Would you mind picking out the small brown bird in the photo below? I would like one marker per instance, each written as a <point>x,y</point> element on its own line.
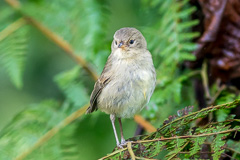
<point>127,81</point>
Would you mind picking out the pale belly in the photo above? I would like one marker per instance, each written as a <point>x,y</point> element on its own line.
<point>128,97</point>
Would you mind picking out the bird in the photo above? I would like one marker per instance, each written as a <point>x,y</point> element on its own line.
<point>127,81</point>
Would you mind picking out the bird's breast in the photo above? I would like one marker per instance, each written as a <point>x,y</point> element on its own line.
<point>128,91</point>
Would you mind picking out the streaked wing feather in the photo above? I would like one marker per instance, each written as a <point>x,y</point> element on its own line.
<point>99,85</point>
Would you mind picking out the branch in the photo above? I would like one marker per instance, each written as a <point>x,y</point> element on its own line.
<point>129,147</point>
<point>205,80</point>
<point>225,147</point>
<point>13,3</point>
<point>233,150</point>
<point>121,150</point>
<point>219,91</point>
<point>207,110</point>
<point>59,41</point>
<point>12,28</point>
<point>172,138</point>
<point>113,153</point>
<point>215,123</point>
<point>213,108</point>
<point>142,158</point>
<point>187,137</point>
<point>53,131</point>
<point>145,124</point>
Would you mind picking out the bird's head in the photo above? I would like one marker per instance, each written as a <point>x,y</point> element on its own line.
<point>128,40</point>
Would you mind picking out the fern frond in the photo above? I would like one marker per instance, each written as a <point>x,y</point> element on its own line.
<point>72,86</point>
<point>83,27</point>
<point>22,132</point>
<point>35,127</point>
<point>168,128</point>
<point>13,51</point>
<point>170,42</point>
<point>176,146</point>
<point>197,145</point>
<point>214,134</point>
<point>69,146</point>
<point>218,144</point>
<point>155,147</point>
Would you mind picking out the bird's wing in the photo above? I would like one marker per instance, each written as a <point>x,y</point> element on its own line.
<point>103,80</point>
<point>99,85</point>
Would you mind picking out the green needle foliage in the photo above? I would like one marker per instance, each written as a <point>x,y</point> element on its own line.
<point>83,29</point>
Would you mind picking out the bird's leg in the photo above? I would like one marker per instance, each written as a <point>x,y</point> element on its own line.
<point>112,117</point>
<point>122,137</point>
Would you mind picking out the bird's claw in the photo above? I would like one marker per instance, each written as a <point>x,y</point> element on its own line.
<point>123,143</point>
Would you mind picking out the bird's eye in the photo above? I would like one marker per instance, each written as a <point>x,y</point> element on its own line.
<point>116,42</point>
<point>131,41</point>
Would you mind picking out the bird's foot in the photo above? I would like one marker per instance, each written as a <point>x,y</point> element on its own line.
<point>123,143</point>
<point>120,146</point>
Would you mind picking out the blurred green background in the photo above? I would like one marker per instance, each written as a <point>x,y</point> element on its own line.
<point>45,60</point>
<point>42,85</point>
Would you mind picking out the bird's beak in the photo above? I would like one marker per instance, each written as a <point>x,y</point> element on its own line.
<point>121,45</point>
